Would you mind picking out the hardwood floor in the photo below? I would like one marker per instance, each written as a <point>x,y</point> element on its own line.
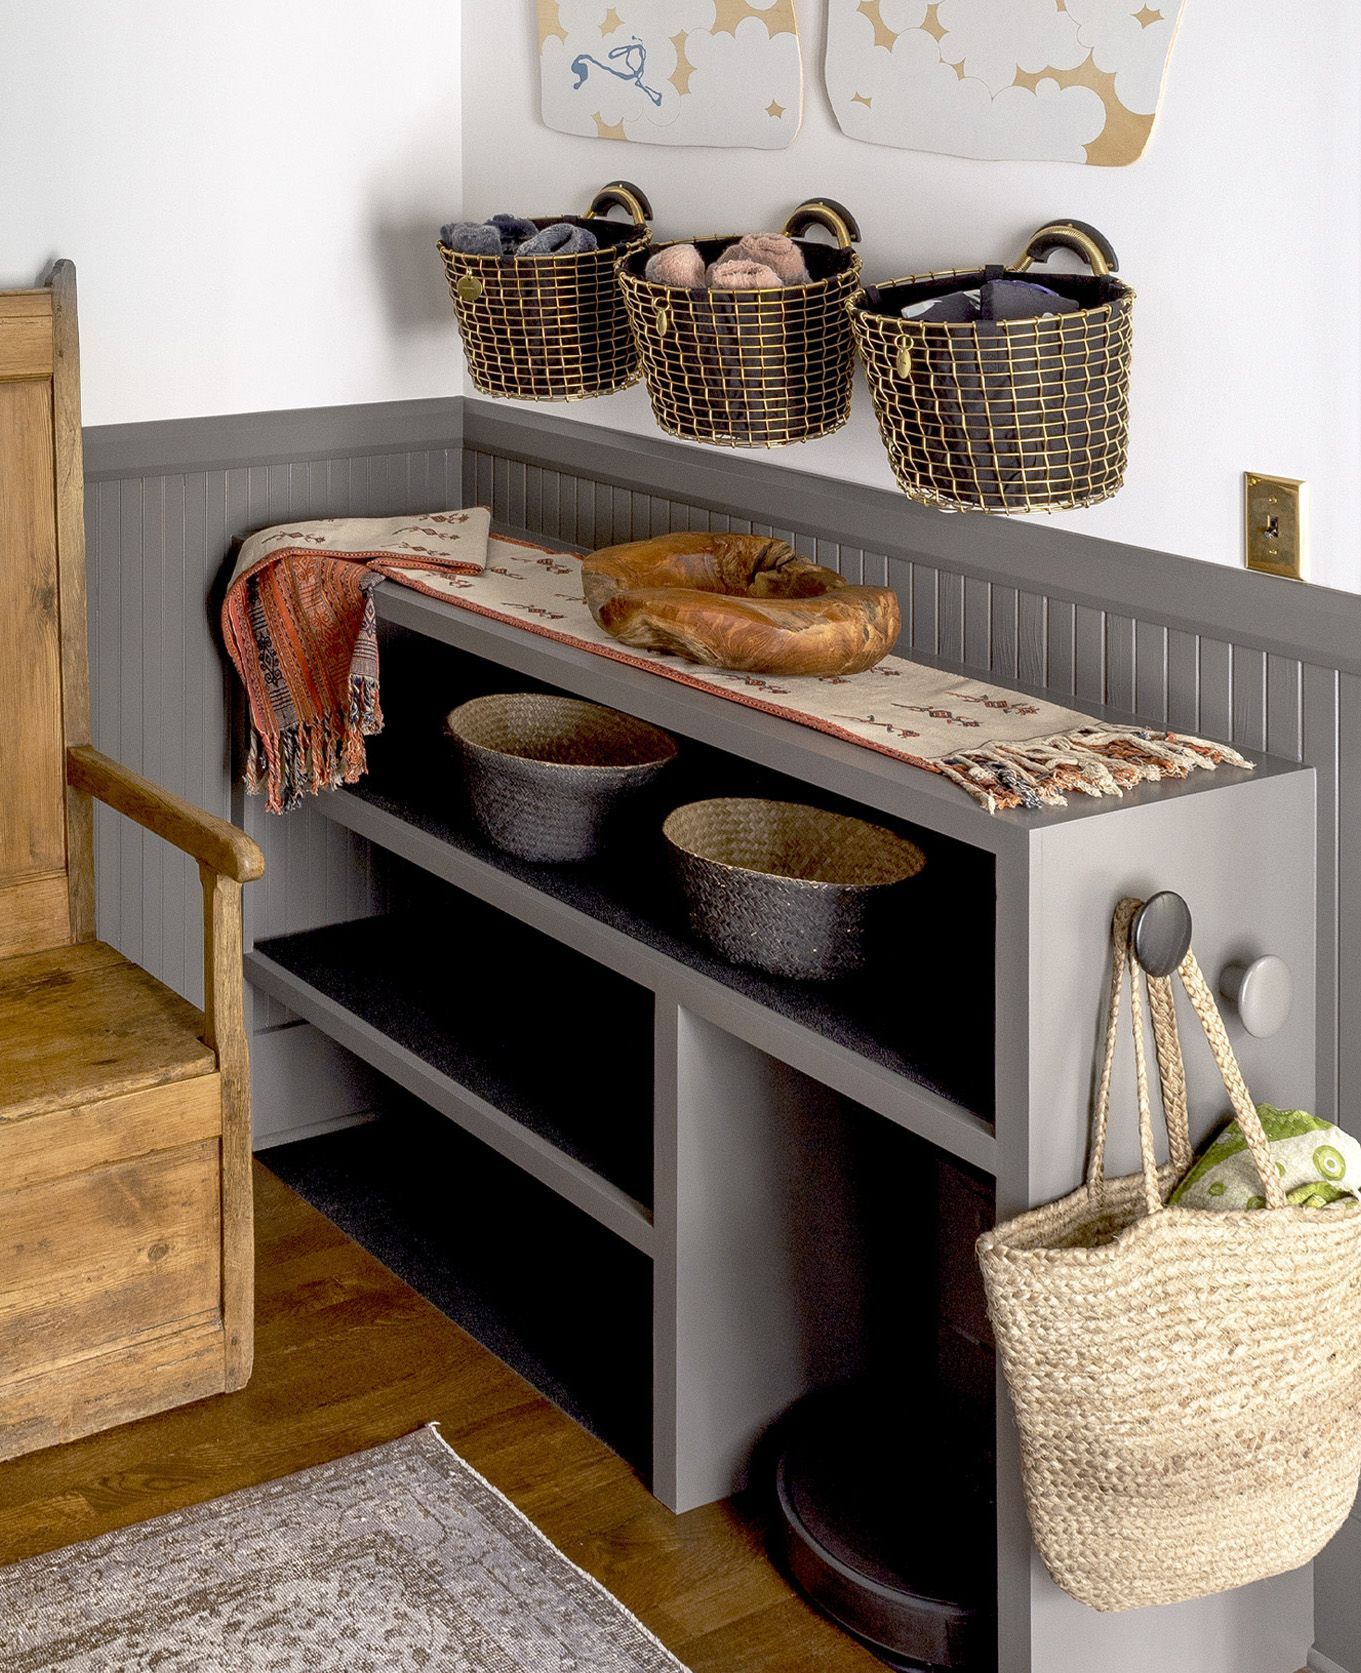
<point>348,1356</point>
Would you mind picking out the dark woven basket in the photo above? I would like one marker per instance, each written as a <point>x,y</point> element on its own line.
<point>545,775</point>
<point>788,889</point>
<point>1005,415</point>
<point>552,328</point>
<point>751,368</point>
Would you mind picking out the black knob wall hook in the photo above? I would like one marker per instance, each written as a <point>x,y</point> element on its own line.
<point>1161,933</point>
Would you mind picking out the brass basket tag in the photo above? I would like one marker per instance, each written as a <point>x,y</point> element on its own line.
<point>469,288</point>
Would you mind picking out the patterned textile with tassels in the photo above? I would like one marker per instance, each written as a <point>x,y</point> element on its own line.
<point>299,625</point>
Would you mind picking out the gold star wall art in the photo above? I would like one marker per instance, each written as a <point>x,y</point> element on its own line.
<point>673,72</point>
<point>1044,80</point>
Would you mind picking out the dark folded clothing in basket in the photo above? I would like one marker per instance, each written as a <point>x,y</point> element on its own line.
<point>995,299</point>
<point>509,235</point>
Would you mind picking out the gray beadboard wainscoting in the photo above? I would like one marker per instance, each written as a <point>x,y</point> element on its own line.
<point>1265,663</point>
<point>163,504</point>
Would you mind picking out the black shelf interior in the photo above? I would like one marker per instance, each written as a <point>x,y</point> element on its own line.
<point>507,1013</point>
<point>924,1006</point>
<point>553,1294</point>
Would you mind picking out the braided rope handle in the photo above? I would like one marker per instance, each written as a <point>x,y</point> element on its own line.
<point>1171,1068</point>
<point>1122,961</point>
<point>1171,1071</point>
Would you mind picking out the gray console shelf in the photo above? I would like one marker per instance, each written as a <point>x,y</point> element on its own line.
<point>752,1083</point>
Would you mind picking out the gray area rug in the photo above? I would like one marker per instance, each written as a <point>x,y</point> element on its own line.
<point>399,1558</point>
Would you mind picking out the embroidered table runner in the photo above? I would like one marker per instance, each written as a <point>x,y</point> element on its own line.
<point>1007,750</point>
<point>299,626</point>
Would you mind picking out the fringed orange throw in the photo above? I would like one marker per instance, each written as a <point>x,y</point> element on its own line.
<point>299,625</point>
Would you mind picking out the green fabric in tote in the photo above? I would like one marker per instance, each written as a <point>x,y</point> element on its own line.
<point>1318,1163</point>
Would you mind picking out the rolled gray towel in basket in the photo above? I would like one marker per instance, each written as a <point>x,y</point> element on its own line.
<point>471,238</point>
<point>561,239</point>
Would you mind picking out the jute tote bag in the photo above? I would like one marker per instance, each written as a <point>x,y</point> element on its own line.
<point>1186,1384</point>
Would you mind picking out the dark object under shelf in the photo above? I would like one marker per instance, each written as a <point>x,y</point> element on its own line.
<point>884,1517</point>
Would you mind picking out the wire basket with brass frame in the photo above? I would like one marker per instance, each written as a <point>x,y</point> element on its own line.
<point>552,328</point>
<point>1005,415</point>
<point>752,368</point>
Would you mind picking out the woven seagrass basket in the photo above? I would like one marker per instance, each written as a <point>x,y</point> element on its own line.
<point>788,889</point>
<point>546,775</point>
<point>552,328</point>
<point>752,368</point>
<point>1005,415</point>
<point>1175,1372</point>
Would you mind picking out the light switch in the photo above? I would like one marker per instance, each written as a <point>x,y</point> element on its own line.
<point>1273,524</point>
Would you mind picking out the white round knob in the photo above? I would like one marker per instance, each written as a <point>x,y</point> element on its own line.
<point>1262,991</point>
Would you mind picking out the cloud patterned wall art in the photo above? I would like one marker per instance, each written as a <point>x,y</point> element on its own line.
<point>672,72</point>
<point>1039,80</point>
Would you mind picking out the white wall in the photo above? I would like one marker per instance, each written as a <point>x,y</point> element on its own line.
<point>250,192</point>
<point>1240,228</point>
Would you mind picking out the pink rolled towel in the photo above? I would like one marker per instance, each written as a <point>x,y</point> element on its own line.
<point>677,264</point>
<point>772,249</point>
<point>726,274</point>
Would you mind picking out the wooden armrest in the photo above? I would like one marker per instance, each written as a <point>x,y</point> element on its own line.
<point>211,841</point>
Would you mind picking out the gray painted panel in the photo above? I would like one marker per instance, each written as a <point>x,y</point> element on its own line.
<point>1060,647</point>
<point>1216,688</point>
<point>925,609</point>
<point>1284,696</point>
<point>1003,610</point>
<point>206,444</point>
<point>1183,681</point>
<point>767,1277</point>
<point>1337,1626</point>
<point>1320,747</point>
<point>1032,638</point>
<point>1249,697</point>
<point>1349,894</point>
<point>1120,663</point>
<point>977,623</point>
<point>950,616</point>
<point>301,1081</point>
<point>1089,628</point>
<point>1150,672</point>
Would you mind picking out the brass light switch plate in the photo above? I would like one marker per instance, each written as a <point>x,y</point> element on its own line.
<point>1273,524</point>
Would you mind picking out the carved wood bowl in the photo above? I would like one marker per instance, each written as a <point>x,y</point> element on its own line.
<point>546,776</point>
<point>784,888</point>
<point>738,601</point>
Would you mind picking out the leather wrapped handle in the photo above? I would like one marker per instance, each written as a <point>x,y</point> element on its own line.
<point>1078,236</point>
<point>825,212</point>
<point>621,194</point>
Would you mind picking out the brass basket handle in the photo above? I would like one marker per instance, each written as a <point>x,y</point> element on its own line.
<point>622,194</point>
<point>825,212</point>
<point>1079,237</point>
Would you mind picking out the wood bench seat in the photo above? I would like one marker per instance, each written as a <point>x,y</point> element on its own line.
<point>81,1023</point>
